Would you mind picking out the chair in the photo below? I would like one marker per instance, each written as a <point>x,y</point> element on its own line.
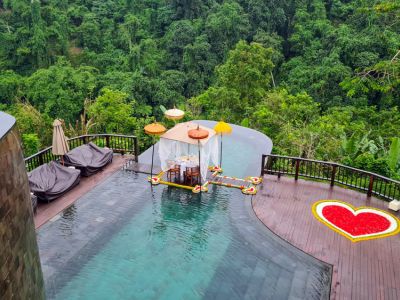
<point>192,174</point>
<point>174,170</point>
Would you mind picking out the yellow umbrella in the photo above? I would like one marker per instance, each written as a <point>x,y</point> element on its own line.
<point>222,128</point>
<point>174,114</point>
<point>60,143</point>
<point>154,129</point>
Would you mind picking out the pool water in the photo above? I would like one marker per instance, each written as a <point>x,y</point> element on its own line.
<point>126,240</point>
<point>169,249</point>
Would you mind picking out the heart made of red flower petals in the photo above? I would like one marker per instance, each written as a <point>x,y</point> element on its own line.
<point>355,223</point>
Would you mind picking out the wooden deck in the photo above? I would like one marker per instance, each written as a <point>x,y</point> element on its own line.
<point>46,211</point>
<point>363,270</point>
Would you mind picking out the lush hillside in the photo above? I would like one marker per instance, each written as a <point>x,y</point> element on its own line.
<point>320,77</point>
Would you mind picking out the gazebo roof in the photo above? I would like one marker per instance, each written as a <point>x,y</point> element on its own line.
<point>180,133</point>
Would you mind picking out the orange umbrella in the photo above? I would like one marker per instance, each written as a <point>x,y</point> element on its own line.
<point>198,133</point>
<point>154,129</point>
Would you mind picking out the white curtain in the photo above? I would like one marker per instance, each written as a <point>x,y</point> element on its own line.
<point>170,150</point>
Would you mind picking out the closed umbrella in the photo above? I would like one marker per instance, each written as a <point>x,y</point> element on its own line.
<point>60,143</point>
<point>154,129</point>
<point>222,128</point>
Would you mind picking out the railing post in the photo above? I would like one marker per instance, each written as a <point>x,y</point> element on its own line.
<point>262,164</point>
<point>371,185</point>
<point>40,159</point>
<point>135,140</point>
<point>107,141</point>
<point>333,175</point>
<point>296,174</point>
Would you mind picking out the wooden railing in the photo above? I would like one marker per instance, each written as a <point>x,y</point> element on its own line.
<point>118,143</point>
<point>371,183</point>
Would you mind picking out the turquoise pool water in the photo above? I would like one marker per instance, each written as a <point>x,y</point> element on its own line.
<point>124,240</point>
<point>170,249</point>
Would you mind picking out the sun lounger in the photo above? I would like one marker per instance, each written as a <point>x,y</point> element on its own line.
<point>88,158</point>
<point>52,180</point>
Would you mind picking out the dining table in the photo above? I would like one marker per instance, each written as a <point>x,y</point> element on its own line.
<point>187,161</point>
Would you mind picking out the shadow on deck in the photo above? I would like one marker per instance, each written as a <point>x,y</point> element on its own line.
<point>362,270</point>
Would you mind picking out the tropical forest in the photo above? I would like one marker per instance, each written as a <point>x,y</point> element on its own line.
<point>321,78</point>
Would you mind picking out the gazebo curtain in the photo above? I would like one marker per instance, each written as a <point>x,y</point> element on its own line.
<point>171,149</point>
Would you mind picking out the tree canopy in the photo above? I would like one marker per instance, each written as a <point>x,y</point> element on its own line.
<point>320,77</point>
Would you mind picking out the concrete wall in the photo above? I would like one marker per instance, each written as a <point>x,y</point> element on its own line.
<point>20,271</point>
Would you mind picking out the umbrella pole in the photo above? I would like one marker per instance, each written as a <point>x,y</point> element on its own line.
<point>220,155</point>
<point>199,165</point>
<point>152,159</point>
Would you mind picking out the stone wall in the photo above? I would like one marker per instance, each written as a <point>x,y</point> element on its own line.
<point>20,271</point>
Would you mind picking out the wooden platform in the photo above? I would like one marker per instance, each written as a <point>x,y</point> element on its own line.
<point>231,181</point>
<point>363,270</point>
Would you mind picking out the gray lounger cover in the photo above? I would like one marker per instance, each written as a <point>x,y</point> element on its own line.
<point>88,158</point>
<point>51,180</point>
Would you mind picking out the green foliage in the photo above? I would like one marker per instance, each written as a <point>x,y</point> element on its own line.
<point>321,78</point>
<point>38,41</point>
<point>245,122</point>
<point>59,91</point>
<point>367,161</point>
<point>383,77</point>
<point>31,121</point>
<point>393,156</point>
<point>198,63</point>
<point>31,143</point>
<point>226,24</point>
<point>188,9</point>
<point>112,113</point>
<point>217,103</point>
<point>11,85</point>
<point>180,33</point>
<point>247,71</point>
<point>241,82</point>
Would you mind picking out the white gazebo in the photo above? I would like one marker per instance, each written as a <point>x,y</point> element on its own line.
<point>176,143</point>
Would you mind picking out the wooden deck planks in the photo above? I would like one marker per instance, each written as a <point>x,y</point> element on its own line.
<point>46,211</point>
<point>363,270</point>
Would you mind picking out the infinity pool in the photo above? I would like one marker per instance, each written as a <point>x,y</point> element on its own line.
<point>124,240</point>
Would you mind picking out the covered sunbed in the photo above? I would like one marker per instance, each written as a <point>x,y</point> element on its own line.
<point>88,158</point>
<point>52,180</point>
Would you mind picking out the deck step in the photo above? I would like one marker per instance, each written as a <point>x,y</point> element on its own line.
<point>141,167</point>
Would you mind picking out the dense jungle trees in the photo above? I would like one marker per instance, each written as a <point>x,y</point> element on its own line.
<point>320,77</point>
